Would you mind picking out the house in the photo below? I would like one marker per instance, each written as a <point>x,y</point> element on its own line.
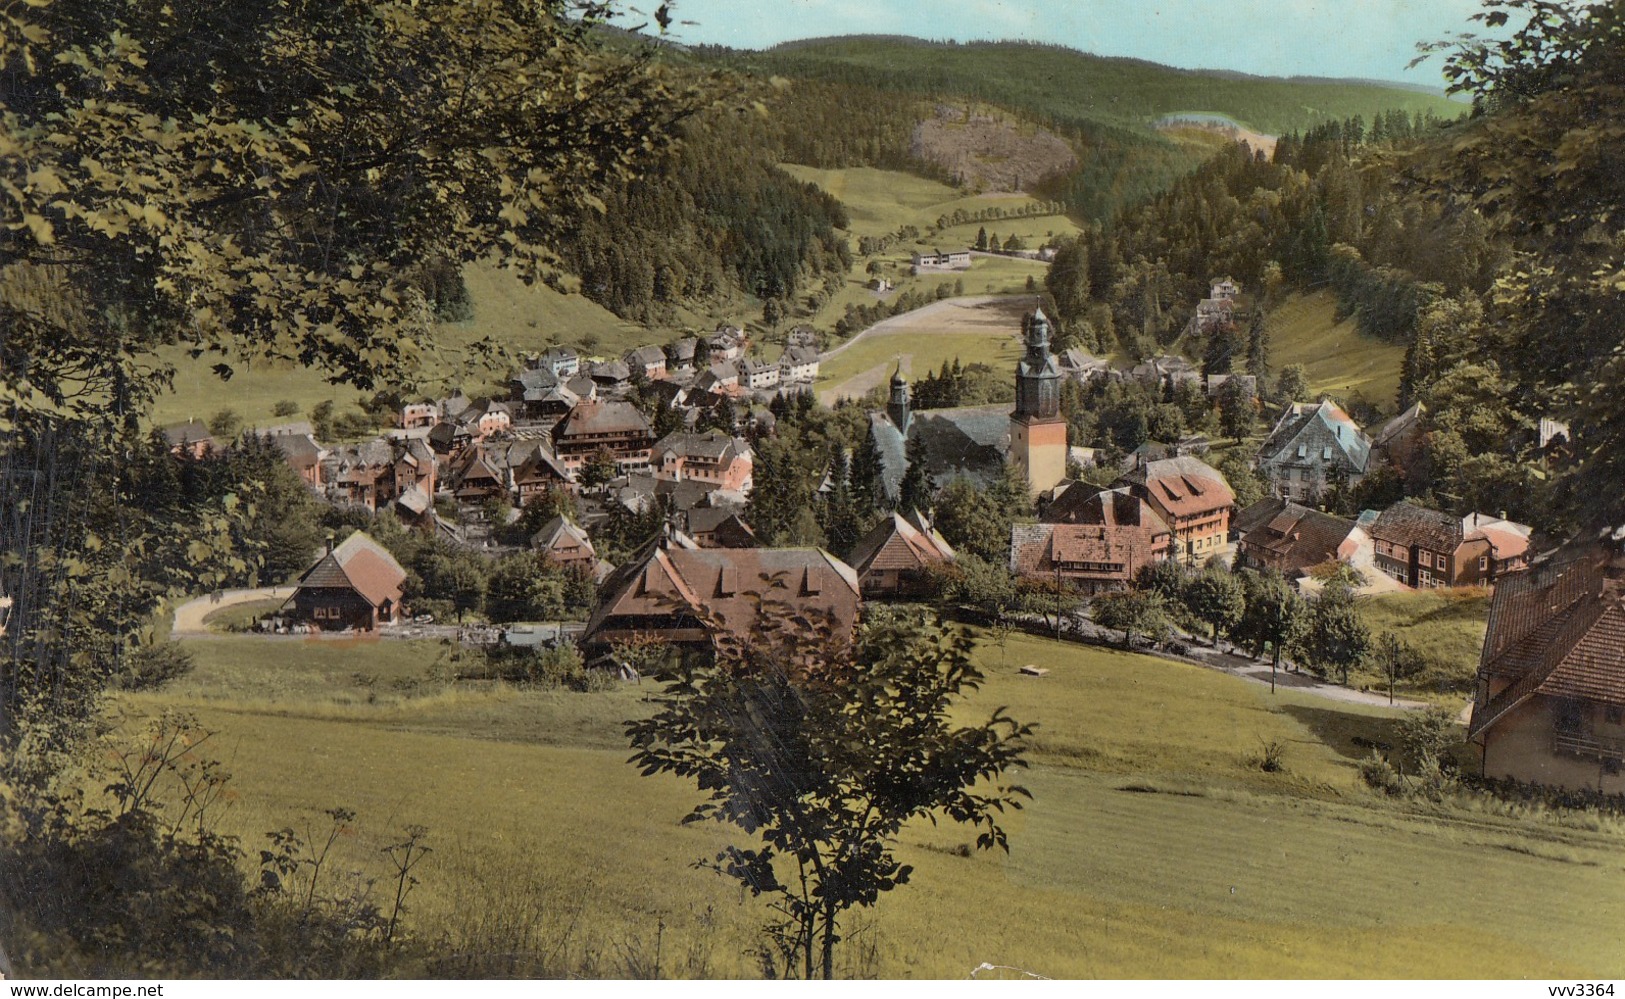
<point>799,364</point>
<point>1117,536</point>
<point>1313,447</point>
<point>953,260</point>
<point>1224,288</point>
<point>304,455</point>
<point>713,457</point>
<point>1079,365</point>
<point>1166,371</point>
<point>478,474</point>
<point>611,376</point>
<point>727,344</point>
<point>1213,314</point>
<point>1550,701</point>
<point>540,396</point>
<point>802,336</point>
<point>755,374</point>
<point>718,527</point>
<point>536,471</point>
<point>423,413</point>
<point>680,355</point>
<point>1192,497</point>
<point>649,360</point>
<point>354,586</point>
<point>1398,442</point>
<point>191,439</point>
<point>1425,548</point>
<point>561,361</point>
<point>360,474</point>
<point>1279,534</point>
<point>895,558</point>
<point>565,544</point>
<point>678,593</point>
<point>880,285</point>
<point>610,425</point>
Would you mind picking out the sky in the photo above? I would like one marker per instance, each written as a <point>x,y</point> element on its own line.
<point>1369,39</point>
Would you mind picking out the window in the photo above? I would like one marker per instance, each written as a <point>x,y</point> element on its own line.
<point>1440,562</point>
<point>319,613</point>
<point>1483,563</point>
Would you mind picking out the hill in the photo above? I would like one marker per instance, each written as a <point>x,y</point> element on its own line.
<point>1338,358</point>
<point>1064,85</point>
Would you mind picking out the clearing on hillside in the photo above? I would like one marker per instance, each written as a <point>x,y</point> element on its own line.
<point>984,329</point>
<point>1341,361</point>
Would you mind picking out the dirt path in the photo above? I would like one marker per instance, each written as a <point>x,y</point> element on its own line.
<point>189,616</point>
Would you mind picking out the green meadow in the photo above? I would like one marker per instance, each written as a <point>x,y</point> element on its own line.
<point>1339,359</point>
<point>1154,845</point>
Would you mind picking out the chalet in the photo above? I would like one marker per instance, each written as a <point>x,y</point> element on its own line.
<point>1213,314</point>
<point>360,475</point>
<point>1550,701</point>
<point>565,544</point>
<point>755,374</point>
<point>1224,288</point>
<point>1194,500</point>
<point>1116,537</point>
<point>1279,534</point>
<point>536,471</point>
<point>799,364</point>
<point>612,425</point>
<point>681,594</point>
<point>726,344</point>
<point>648,362</point>
<point>191,439</point>
<point>1425,548</point>
<point>895,558</point>
<point>540,396</point>
<point>478,474</point>
<point>561,361</point>
<point>722,460</point>
<point>1313,446</point>
<point>354,586</point>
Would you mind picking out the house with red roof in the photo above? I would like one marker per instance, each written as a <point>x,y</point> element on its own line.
<point>356,585</point>
<point>1192,497</point>
<point>1550,701</point>
<point>1278,534</point>
<point>1103,544</point>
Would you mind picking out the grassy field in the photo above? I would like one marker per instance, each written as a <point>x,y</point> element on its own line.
<point>1154,846</point>
<point>1445,626</point>
<point>920,354</point>
<point>1340,360</point>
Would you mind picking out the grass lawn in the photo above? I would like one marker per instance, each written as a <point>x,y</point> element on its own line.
<point>1153,847</point>
<point>238,617</point>
<point>1339,359</point>
<point>1445,626</point>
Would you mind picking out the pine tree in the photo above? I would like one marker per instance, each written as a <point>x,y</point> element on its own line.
<point>867,475</point>
<point>914,493</point>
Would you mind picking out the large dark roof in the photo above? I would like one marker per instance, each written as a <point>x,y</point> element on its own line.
<point>360,564</point>
<point>1407,524</point>
<point>965,442</point>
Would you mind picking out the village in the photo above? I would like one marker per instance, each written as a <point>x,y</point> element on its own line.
<point>466,470</point>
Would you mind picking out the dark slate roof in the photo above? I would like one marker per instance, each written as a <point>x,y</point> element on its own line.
<point>1407,524</point>
<point>712,444</point>
<point>1312,428</point>
<point>610,417</point>
<point>966,442</point>
<point>1295,538</point>
<point>190,432</point>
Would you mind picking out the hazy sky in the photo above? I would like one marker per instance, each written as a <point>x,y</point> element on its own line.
<point>1347,38</point>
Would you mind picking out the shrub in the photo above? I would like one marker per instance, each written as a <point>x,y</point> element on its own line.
<point>287,407</point>
<point>154,665</point>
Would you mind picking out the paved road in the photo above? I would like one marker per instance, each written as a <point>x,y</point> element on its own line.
<point>189,616</point>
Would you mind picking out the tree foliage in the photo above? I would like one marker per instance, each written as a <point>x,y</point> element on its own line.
<point>820,748</point>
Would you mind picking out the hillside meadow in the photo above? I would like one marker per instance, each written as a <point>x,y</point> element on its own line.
<point>1154,845</point>
<point>1338,358</point>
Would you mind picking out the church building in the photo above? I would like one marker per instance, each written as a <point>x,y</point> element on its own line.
<point>1037,428</point>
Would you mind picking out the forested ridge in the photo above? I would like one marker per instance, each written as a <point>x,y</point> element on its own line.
<point>1484,246</point>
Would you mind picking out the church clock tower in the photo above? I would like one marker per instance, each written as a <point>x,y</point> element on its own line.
<point>1037,429</point>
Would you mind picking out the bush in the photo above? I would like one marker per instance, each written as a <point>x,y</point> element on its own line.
<point>154,665</point>
<point>1379,774</point>
<point>287,407</point>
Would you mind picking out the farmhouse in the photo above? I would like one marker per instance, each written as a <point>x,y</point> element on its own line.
<point>1192,497</point>
<point>894,558</point>
<point>1425,548</point>
<point>648,362</point>
<point>565,544</point>
<point>676,592</point>
<point>1550,701</point>
<point>718,527</point>
<point>356,585</point>
<point>1313,446</point>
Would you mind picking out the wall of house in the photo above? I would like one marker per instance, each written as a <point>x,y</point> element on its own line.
<point>1520,746</point>
<point>333,609</point>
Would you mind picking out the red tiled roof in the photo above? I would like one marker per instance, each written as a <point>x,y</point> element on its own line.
<point>360,564</point>
<point>895,543</point>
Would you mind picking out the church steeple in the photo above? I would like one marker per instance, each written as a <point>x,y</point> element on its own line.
<point>1038,376</point>
<point>897,406</point>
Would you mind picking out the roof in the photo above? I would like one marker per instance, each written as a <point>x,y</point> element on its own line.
<point>611,371</point>
<point>190,432</point>
<point>964,442</point>
<point>1115,551</point>
<point>1182,486</point>
<point>667,589</point>
<point>1558,631</point>
<point>300,449</point>
<point>360,564</point>
<point>1081,503</point>
<point>713,444</point>
<point>799,355</point>
<point>603,417</point>
<point>1407,524</point>
<point>646,355</point>
<point>1308,432</point>
<point>900,542</point>
<point>1293,538</point>
<point>559,532</point>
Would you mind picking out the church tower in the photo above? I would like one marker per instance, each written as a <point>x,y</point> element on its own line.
<point>1037,429</point>
<point>897,405</point>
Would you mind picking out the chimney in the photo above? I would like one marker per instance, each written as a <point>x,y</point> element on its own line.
<point>329,542</point>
